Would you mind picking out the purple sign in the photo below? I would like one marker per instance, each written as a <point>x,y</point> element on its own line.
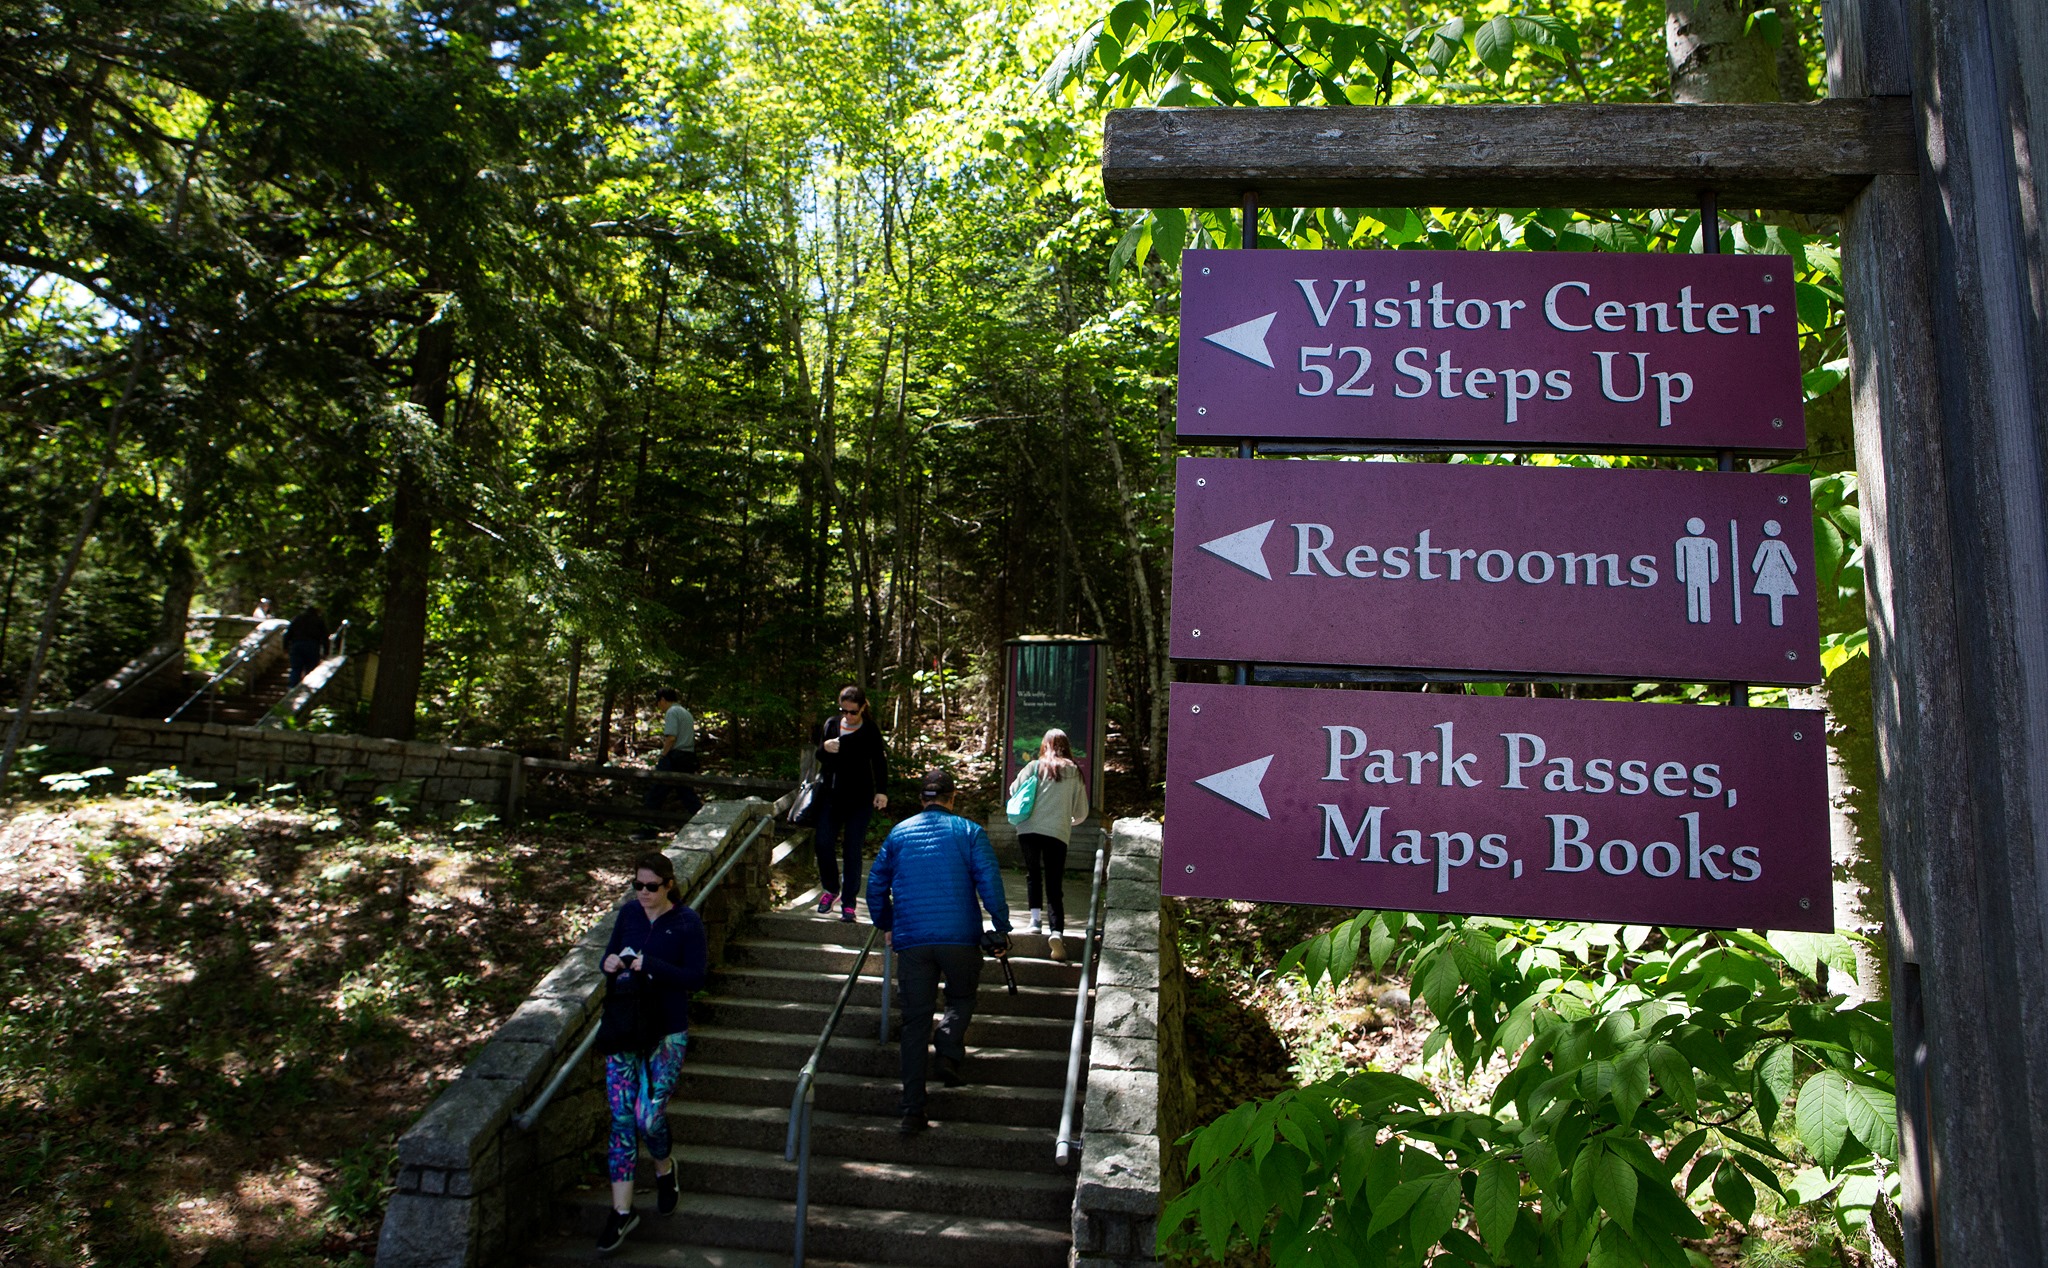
<point>1654,575</point>
<point>1496,349</point>
<point>1691,815</point>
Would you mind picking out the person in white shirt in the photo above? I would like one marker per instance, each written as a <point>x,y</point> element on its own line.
<point>1060,806</point>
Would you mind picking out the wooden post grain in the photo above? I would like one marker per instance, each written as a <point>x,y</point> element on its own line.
<point>1947,317</point>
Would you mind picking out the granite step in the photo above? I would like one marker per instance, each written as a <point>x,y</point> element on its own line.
<point>915,1238</point>
<point>948,1143</point>
<point>705,1083</point>
<point>858,1052</point>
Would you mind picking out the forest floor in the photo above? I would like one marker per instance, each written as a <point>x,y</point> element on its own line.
<point>220,1016</point>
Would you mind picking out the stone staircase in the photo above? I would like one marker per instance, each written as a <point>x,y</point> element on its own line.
<point>979,1188</point>
<point>226,704</point>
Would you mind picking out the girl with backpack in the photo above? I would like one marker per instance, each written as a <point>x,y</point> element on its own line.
<point>1056,806</point>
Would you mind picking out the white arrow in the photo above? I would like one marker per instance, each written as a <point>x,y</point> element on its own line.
<point>1247,339</point>
<point>1240,784</point>
<point>1246,548</point>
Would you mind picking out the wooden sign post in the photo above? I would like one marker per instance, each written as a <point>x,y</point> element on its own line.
<point>1934,148</point>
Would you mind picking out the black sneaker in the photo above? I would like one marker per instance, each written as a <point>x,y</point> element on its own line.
<point>616,1226</point>
<point>912,1124</point>
<point>665,1192</point>
<point>949,1071</point>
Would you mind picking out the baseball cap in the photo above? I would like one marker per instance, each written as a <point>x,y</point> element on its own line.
<point>938,783</point>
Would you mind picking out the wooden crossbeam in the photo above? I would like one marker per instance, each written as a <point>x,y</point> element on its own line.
<point>1785,157</point>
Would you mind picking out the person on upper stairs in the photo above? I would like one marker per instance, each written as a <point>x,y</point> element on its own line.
<point>855,767</point>
<point>922,894</point>
<point>305,641</point>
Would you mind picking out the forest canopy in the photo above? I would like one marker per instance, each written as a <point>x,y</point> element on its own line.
<point>566,347</point>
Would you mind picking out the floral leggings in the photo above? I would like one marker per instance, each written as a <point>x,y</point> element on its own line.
<point>637,1090</point>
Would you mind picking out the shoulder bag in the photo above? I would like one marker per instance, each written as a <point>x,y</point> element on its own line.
<point>1026,796</point>
<point>632,1016</point>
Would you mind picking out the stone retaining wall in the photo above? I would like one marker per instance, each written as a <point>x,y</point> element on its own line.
<point>471,1183</point>
<point>1135,1069</point>
<point>353,767</point>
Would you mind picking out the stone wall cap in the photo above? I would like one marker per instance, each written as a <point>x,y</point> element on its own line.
<point>460,1124</point>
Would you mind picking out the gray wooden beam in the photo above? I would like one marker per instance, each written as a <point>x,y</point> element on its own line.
<point>1787,157</point>
<point>1948,318</point>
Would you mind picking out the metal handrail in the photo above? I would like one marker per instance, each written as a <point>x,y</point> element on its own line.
<point>796,1146</point>
<point>532,1113</point>
<point>242,656</point>
<point>1066,1148</point>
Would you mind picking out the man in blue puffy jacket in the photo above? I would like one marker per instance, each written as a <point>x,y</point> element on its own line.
<point>921,894</point>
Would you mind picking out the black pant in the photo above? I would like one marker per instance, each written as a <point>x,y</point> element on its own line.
<point>1045,867</point>
<point>918,970</point>
<point>305,657</point>
<point>676,759</point>
<point>834,822</point>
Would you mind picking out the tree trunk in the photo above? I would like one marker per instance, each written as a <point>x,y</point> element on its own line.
<point>181,583</point>
<point>1713,57</point>
<point>604,721</point>
<point>571,719</point>
<point>402,661</point>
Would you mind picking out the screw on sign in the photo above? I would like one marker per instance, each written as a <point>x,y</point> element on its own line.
<point>1570,810</point>
<point>1499,350</point>
<point>1631,574</point>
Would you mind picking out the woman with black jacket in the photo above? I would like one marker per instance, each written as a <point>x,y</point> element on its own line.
<point>659,943</point>
<point>854,767</point>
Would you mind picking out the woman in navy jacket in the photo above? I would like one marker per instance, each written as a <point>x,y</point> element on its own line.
<point>659,936</point>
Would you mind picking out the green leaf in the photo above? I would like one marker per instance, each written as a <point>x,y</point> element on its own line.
<point>1397,1204</point>
<point>1496,1197</point>
<point>1127,17</point>
<point>1674,1075</point>
<point>1494,44</point>
<point>1169,233</point>
<point>1702,1168</point>
<point>1823,378</point>
<point>1440,983</point>
<point>1071,61</point>
<point>1822,1116</point>
<point>1837,650</point>
<point>1435,1210</point>
<point>1540,1156</point>
<point>1614,1183</point>
<point>1249,1200</point>
<point>1874,1119</point>
<point>1382,940</point>
<point>1127,247</point>
<point>1612,1249</point>
<point>1631,1084</point>
<point>1772,1082</point>
<point>1812,303</point>
<point>1734,1192</point>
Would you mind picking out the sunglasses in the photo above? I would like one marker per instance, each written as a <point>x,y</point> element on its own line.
<point>849,708</point>
<point>650,886</point>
